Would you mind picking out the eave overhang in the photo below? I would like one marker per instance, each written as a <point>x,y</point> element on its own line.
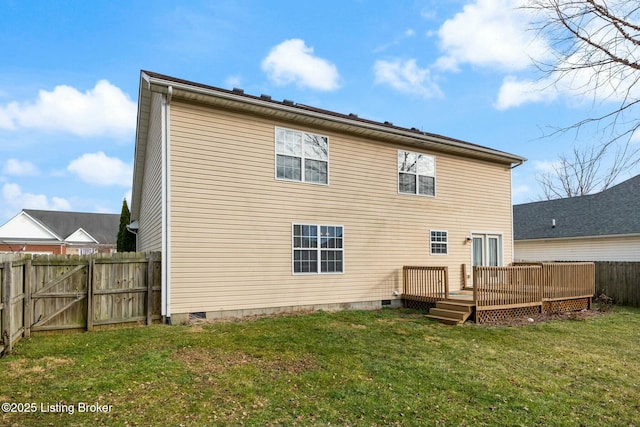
<point>298,113</point>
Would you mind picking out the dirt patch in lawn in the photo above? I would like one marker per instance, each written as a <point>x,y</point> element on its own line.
<point>208,362</point>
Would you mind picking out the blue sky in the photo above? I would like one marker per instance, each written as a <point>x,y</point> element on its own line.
<point>69,78</point>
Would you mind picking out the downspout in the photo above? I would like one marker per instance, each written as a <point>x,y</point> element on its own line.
<point>513,244</point>
<point>166,222</point>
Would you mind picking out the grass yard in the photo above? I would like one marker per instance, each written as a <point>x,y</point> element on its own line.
<point>390,367</point>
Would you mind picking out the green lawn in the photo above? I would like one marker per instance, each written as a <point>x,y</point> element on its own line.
<point>390,367</point>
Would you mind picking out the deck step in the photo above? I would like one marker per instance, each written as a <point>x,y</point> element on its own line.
<point>451,312</point>
<point>445,320</point>
<point>462,306</point>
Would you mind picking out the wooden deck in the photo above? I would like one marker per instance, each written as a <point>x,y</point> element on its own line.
<point>501,292</point>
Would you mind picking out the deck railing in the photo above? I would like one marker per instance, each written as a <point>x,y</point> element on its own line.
<point>430,284</point>
<point>494,287</point>
<point>528,284</point>
<point>568,280</point>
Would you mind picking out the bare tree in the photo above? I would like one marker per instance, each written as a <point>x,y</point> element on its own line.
<point>581,173</point>
<point>595,49</point>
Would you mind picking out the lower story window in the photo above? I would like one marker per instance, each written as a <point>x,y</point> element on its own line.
<point>318,248</point>
<point>438,241</point>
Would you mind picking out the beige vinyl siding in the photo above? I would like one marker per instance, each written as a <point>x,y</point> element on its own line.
<point>623,248</point>
<point>150,222</point>
<point>231,220</point>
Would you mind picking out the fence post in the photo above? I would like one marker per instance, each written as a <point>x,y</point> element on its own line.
<point>29,281</point>
<point>7,326</point>
<point>90,313</point>
<point>149,288</point>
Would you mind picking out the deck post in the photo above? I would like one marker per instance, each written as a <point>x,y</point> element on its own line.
<point>446,283</point>
<point>475,284</point>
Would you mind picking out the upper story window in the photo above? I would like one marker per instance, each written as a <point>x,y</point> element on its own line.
<point>302,156</point>
<point>416,173</point>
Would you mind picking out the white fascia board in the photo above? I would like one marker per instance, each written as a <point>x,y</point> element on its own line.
<point>80,236</point>
<point>24,227</point>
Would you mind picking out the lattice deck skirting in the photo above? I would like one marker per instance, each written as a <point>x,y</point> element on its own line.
<point>499,315</point>
<point>418,305</point>
<point>563,306</point>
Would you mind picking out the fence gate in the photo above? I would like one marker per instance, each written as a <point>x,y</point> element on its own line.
<point>59,300</point>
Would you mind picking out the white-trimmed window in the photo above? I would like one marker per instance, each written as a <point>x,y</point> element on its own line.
<point>318,248</point>
<point>302,156</point>
<point>439,242</point>
<point>416,173</point>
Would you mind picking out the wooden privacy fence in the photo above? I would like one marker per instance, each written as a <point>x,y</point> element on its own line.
<point>619,281</point>
<point>57,292</point>
<point>426,284</point>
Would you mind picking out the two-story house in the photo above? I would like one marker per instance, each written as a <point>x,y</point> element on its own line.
<point>261,206</point>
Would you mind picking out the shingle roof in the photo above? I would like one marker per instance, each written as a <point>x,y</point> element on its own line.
<point>351,117</point>
<point>102,227</point>
<point>610,212</point>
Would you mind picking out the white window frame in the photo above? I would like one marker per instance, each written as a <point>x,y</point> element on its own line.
<point>486,236</point>
<point>417,174</point>
<point>439,242</point>
<point>318,249</point>
<point>303,158</point>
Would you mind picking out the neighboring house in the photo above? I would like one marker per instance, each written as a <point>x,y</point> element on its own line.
<point>597,227</point>
<point>260,206</point>
<point>56,232</point>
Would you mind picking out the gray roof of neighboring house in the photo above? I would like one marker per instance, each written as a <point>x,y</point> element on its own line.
<point>610,212</point>
<point>102,227</point>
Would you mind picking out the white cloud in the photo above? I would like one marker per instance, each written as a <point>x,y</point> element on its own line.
<point>406,34</point>
<point>293,62</point>
<point>19,168</point>
<point>490,33</point>
<point>519,191</point>
<point>406,77</point>
<point>546,166</point>
<point>14,199</point>
<point>103,110</point>
<point>233,81</point>
<point>99,169</point>
<point>514,92</point>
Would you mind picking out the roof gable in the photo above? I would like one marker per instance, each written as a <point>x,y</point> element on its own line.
<point>24,227</point>
<point>613,211</point>
<point>80,236</point>
<point>98,227</point>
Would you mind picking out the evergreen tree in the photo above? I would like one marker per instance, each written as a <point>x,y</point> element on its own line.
<point>126,239</point>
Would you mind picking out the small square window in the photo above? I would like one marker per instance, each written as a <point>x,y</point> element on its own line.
<point>438,242</point>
